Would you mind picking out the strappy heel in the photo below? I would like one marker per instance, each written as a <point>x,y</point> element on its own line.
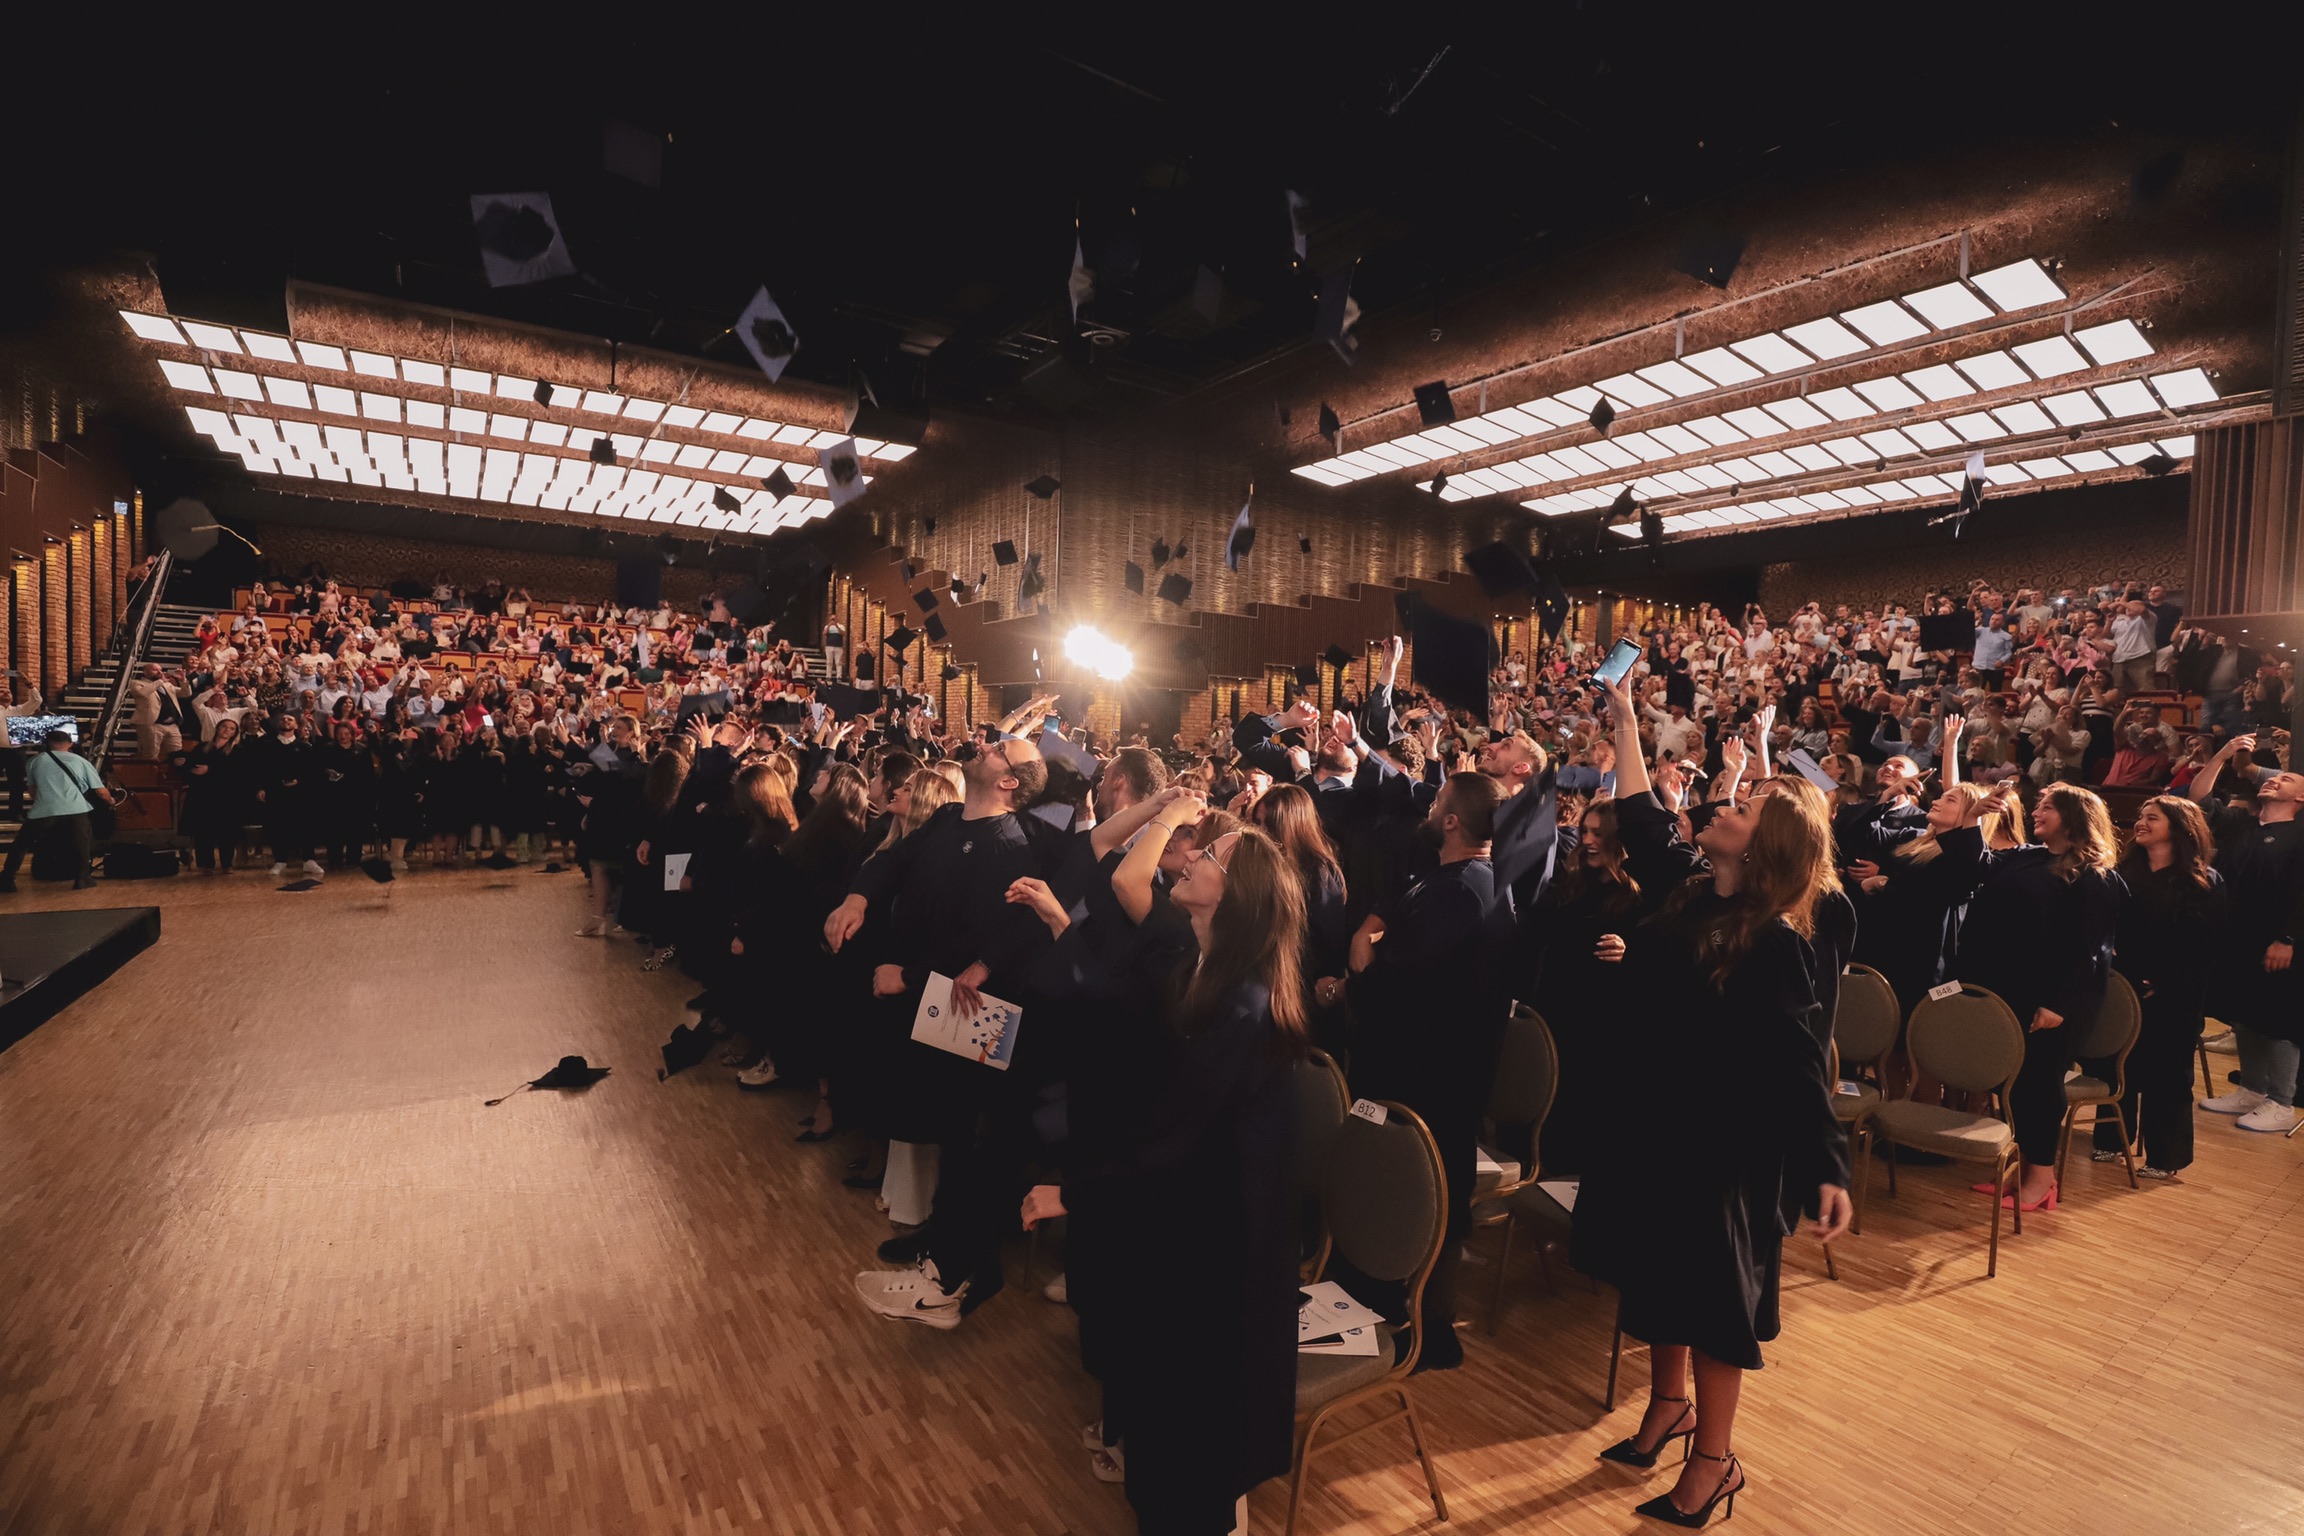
<point>1662,1508</point>
<point>1627,1453</point>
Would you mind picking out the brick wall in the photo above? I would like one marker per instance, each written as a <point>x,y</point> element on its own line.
<point>53,639</point>
<point>104,609</point>
<point>375,560</point>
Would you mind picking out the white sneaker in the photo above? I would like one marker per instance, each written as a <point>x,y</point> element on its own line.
<point>914,1295</point>
<point>761,1074</point>
<point>2238,1102</point>
<point>1054,1291</point>
<point>314,868</point>
<point>399,866</point>
<point>2279,1119</point>
<point>278,870</point>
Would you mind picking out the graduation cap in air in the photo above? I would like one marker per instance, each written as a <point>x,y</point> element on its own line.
<point>1044,487</point>
<point>951,672</point>
<point>1439,482</point>
<point>1501,570</point>
<point>1551,603</point>
<point>1160,553</point>
<point>543,393</point>
<point>1330,425</point>
<point>1622,507</point>
<point>1603,416</point>
<point>1175,587</point>
<point>901,637</point>
<point>1433,404</point>
<point>1304,543</point>
<point>1308,675</point>
<point>1339,313</point>
<point>778,484</point>
<point>843,471</point>
<point>1971,496</point>
<point>1004,553</point>
<point>959,589</point>
<point>1181,551</point>
<point>1453,656</point>
<point>1132,577</point>
<point>924,599</point>
<point>1030,586</point>
<point>767,335</point>
<point>1710,255</point>
<point>603,451</point>
<point>1243,534</point>
<point>724,500</point>
<point>1336,656</point>
<point>570,1072</point>
<point>934,625</point>
<point>2156,464</point>
<point>520,238</point>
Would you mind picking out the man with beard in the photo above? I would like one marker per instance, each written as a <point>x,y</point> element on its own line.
<point>1428,998</point>
<point>944,892</point>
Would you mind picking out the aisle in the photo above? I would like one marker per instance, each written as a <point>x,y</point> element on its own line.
<point>271,1266</point>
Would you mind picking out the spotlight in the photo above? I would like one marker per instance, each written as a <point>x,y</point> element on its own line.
<point>1086,646</point>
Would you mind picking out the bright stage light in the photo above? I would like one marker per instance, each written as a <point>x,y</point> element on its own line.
<point>1089,647</point>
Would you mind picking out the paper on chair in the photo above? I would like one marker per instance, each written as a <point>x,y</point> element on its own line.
<point>1352,1341</point>
<point>988,1035</point>
<point>1482,1162</point>
<point>675,870</point>
<point>1329,1310</point>
<point>1561,1190</point>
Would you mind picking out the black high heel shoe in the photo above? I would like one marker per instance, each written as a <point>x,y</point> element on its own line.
<point>1628,1453</point>
<point>1662,1508</point>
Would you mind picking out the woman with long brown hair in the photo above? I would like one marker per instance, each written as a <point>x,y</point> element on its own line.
<point>2170,934</point>
<point>1686,1208</point>
<point>1207,1175</point>
<point>2039,932</point>
<point>1592,894</point>
<point>1289,817</point>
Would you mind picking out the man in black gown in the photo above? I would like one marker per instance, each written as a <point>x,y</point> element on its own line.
<point>1429,1008</point>
<point>945,893</point>
<point>2260,992</point>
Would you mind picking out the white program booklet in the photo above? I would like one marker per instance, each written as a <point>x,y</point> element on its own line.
<point>1562,1190</point>
<point>988,1035</point>
<point>1330,1311</point>
<point>675,869</point>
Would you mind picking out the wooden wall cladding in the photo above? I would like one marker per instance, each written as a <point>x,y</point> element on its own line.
<point>2247,520</point>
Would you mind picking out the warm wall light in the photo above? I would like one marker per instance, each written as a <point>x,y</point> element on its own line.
<point>1089,647</point>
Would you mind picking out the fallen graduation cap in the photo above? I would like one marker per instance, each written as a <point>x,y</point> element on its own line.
<point>572,1072</point>
<point>1044,487</point>
<point>1004,553</point>
<point>1433,404</point>
<point>1175,588</point>
<point>499,860</point>
<point>690,1044</point>
<point>2156,464</point>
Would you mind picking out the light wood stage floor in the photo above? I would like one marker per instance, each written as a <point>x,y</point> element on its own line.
<point>270,1266</point>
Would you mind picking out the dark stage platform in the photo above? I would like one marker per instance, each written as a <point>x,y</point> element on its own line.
<point>49,958</point>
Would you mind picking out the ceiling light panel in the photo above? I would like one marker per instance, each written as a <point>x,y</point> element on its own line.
<point>2019,285</point>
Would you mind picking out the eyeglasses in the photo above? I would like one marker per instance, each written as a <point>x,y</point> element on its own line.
<point>1209,853</point>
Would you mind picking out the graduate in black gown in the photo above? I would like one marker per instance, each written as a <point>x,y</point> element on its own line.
<point>1204,1171</point>
<point>2172,927</point>
<point>1592,895</point>
<point>1685,1207</point>
<point>217,797</point>
<point>2260,988</point>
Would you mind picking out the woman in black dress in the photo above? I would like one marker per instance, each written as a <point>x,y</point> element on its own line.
<point>1206,1172</point>
<point>2170,933</point>
<point>1575,988</point>
<point>216,798</point>
<point>1686,1206</point>
<point>2040,933</point>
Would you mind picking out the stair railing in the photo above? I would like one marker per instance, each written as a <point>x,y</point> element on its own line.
<point>129,640</point>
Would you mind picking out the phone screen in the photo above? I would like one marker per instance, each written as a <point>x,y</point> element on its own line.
<point>1618,666</point>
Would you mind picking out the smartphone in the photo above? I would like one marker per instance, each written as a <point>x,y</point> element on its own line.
<point>1618,666</point>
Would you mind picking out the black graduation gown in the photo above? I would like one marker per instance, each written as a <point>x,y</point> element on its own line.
<point>1577,995</point>
<point>216,801</point>
<point>1685,1207</point>
<point>2263,869</point>
<point>1911,925</point>
<point>1207,1393</point>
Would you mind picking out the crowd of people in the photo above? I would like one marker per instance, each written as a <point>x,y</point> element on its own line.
<point>1673,868</point>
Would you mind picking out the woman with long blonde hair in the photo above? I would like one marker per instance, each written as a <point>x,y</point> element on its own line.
<point>1686,1207</point>
<point>2040,933</point>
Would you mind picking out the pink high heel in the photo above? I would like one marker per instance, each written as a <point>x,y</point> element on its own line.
<point>2046,1202</point>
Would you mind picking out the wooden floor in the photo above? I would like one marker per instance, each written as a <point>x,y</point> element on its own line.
<point>267,1264</point>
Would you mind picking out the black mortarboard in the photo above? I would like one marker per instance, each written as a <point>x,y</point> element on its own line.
<point>1308,675</point>
<point>1622,506</point>
<point>951,672</point>
<point>1132,576</point>
<point>959,589</point>
<point>1551,603</point>
<point>1336,655</point>
<point>1004,553</point>
<point>901,637</point>
<point>934,624</point>
<point>778,484</point>
<point>571,1072</point>
<point>690,1044</point>
<point>603,451</point>
<point>1160,553</point>
<point>1175,587</point>
<point>378,870</point>
<point>2156,464</point>
<point>724,500</point>
<point>301,885</point>
<point>1304,543</point>
<point>1044,487</point>
<point>519,238</point>
<point>1181,552</point>
<point>1243,537</point>
<point>1603,416</point>
<point>1501,570</point>
<point>1453,656</point>
<point>1433,404</point>
<point>543,393</point>
<point>1710,255</point>
<point>1329,424</point>
<point>924,599</point>
<point>1439,482</point>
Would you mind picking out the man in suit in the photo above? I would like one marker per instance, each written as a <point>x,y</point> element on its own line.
<point>159,711</point>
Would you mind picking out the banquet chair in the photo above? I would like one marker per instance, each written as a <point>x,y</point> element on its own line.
<point>1863,1033</point>
<point>1527,1078</point>
<point>2109,1039</point>
<point>1384,1197</point>
<point>1971,1043</point>
<point>1322,1102</point>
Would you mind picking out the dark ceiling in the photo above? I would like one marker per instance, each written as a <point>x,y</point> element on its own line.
<point>909,195</point>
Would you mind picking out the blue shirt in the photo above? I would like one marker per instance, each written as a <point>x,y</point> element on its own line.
<point>1993,648</point>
